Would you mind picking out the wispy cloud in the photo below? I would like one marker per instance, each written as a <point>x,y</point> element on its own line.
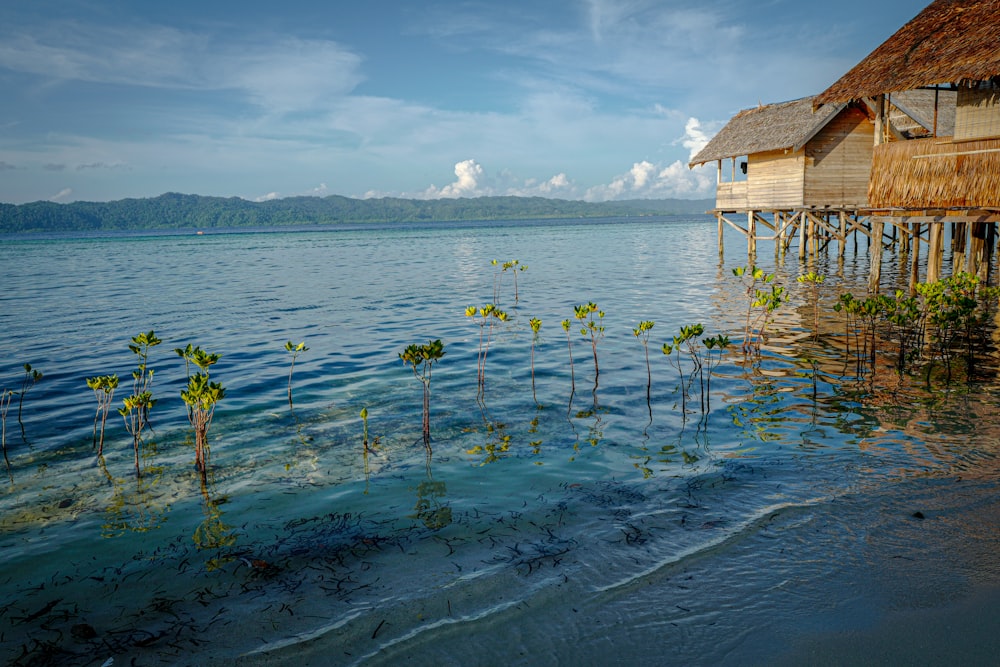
<point>6,166</point>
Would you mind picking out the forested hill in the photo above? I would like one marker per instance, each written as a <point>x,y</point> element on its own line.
<point>178,211</point>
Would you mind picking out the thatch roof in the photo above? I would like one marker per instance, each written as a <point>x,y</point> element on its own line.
<point>950,41</point>
<point>770,127</point>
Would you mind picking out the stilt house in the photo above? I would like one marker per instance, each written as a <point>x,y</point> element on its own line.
<point>793,157</point>
<point>950,45</point>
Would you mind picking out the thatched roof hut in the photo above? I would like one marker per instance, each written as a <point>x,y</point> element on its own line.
<point>953,44</point>
<point>950,41</point>
<point>794,157</point>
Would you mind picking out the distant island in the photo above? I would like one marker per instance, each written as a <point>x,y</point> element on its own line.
<point>180,211</point>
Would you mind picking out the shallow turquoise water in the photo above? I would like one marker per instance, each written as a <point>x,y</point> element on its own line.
<point>592,526</point>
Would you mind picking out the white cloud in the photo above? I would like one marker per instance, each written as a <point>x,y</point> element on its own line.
<point>65,193</point>
<point>268,197</point>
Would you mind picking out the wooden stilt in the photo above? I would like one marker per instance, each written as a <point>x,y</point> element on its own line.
<point>959,243</point>
<point>803,232</point>
<point>935,251</point>
<point>875,251</point>
<point>752,235</point>
<point>718,217</point>
<point>843,235</point>
<point>915,263</point>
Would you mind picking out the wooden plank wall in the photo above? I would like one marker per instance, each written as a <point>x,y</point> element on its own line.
<point>838,162</point>
<point>775,180</point>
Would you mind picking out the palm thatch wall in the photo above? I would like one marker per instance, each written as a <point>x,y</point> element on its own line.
<point>936,173</point>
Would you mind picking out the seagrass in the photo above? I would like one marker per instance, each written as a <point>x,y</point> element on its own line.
<point>954,175</point>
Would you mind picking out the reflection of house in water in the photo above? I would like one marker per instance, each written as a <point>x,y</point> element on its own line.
<point>904,143</point>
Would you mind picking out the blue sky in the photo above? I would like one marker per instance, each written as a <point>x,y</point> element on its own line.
<point>577,99</point>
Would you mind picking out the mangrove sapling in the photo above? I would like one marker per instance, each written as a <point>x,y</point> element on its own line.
<point>905,320</point>
<point>594,329</point>
<point>135,407</point>
<point>716,343</point>
<point>201,397</point>
<point>104,389</point>
<point>862,316</point>
<point>813,280</point>
<point>421,358</point>
<point>642,333</point>
<point>31,376</point>
<point>687,333</point>
<point>536,324</point>
<point>761,305</point>
<point>572,373</point>
<point>294,350</point>
<point>487,316</point>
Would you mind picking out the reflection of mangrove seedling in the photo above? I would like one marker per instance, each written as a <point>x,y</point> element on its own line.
<point>487,316</point>
<point>497,443</point>
<point>593,329</point>
<point>536,324</point>
<point>5,396</point>
<point>294,350</point>
<point>429,508</point>
<point>364,424</point>
<point>761,304</point>
<point>201,397</point>
<point>31,376</point>
<point>813,280</point>
<point>642,333</point>
<point>138,511</point>
<point>213,533</point>
<point>135,409</point>
<point>686,338</point>
<point>104,389</point>
<point>572,373</point>
<point>421,358</point>
<point>714,344</point>
<point>367,447</point>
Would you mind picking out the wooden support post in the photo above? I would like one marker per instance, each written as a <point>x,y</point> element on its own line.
<point>875,251</point>
<point>915,263</point>
<point>803,234</point>
<point>752,234</point>
<point>718,217</point>
<point>977,244</point>
<point>904,243</point>
<point>959,243</point>
<point>843,235</point>
<point>935,251</point>
<point>813,237</point>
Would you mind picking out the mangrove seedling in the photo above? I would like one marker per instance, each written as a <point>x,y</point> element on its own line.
<point>487,316</point>
<point>294,350</point>
<point>572,373</point>
<point>642,333</point>
<point>536,324</point>
<point>760,306</point>
<point>594,329</point>
<point>31,376</point>
<point>201,397</point>
<point>104,389</point>
<point>421,359</point>
<point>688,334</point>
<point>135,408</point>
<point>813,280</point>
<point>715,343</point>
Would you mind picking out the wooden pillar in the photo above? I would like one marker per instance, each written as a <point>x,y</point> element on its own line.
<point>935,251</point>
<point>915,263</point>
<point>904,242</point>
<point>718,217</point>
<point>977,244</point>
<point>875,252</point>
<point>879,120</point>
<point>752,235</point>
<point>843,235</point>
<point>803,234</point>
<point>959,243</point>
